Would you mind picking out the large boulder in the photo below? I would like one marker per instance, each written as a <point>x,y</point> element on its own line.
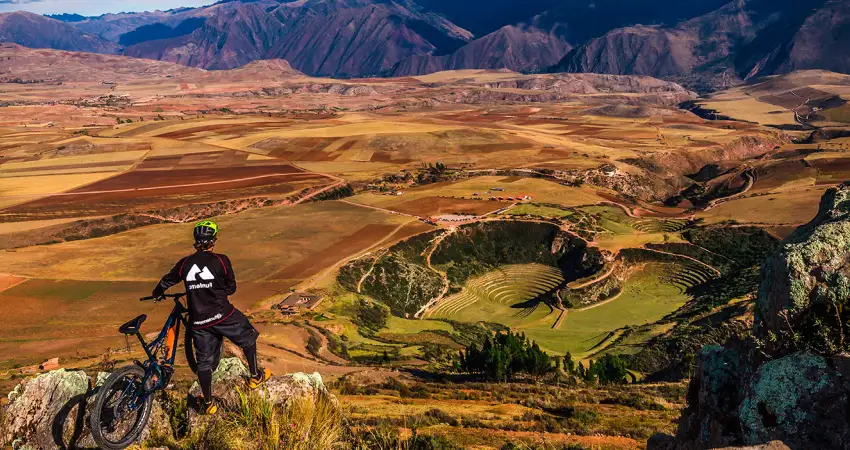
<point>791,381</point>
<point>229,388</point>
<point>799,400</point>
<point>805,289</point>
<point>713,399</point>
<point>51,410</point>
<point>48,411</point>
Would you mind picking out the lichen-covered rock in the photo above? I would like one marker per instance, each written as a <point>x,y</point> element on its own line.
<point>802,301</point>
<point>711,419</point>
<point>51,411</point>
<point>799,400</point>
<point>229,382</point>
<point>47,411</point>
<point>791,383</point>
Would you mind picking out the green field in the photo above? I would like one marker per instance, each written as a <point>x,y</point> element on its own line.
<point>493,297</point>
<point>530,209</point>
<point>649,294</point>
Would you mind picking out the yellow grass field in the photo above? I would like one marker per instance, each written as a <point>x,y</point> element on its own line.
<point>15,227</point>
<point>116,159</point>
<point>789,207</point>
<point>286,236</point>
<point>750,109</point>
<point>542,191</point>
<point>14,190</point>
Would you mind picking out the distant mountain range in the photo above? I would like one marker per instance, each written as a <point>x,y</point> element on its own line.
<point>703,44</point>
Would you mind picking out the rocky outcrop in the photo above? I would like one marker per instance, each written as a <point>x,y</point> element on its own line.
<point>806,285</point>
<point>791,381</point>
<point>44,409</point>
<point>51,410</point>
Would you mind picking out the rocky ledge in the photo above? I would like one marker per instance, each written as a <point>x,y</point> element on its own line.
<point>51,410</point>
<point>789,383</point>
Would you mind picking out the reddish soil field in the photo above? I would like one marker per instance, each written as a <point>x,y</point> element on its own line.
<point>223,129</point>
<point>151,179</point>
<point>347,146</point>
<point>432,206</point>
<point>7,281</point>
<point>832,168</point>
<point>789,100</point>
<point>385,157</point>
<point>492,148</point>
<point>510,179</point>
<point>313,264</point>
<point>299,149</point>
<point>155,199</point>
<point>775,175</point>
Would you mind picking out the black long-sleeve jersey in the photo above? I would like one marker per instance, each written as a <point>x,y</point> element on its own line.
<point>209,280</point>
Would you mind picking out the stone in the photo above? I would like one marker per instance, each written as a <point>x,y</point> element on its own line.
<point>788,386</point>
<point>806,284</point>
<point>229,382</point>
<point>51,411</point>
<point>711,419</point>
<point>48,411</point>
<point>799,400</point>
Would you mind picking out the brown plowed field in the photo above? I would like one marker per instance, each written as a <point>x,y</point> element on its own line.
<point>496,147</point>
<point>227,128</point>
<point>348,245</point>
<point>152,179</point>
<point>432,206</point>
<point>299,149</point>
<point>121,199</point>
<point>831,169</point>
<point>774,176</point>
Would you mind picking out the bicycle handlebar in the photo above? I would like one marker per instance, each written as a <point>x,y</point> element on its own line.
<point>163,297</point>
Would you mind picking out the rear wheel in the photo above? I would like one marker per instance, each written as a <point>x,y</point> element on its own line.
<point>121,410</point>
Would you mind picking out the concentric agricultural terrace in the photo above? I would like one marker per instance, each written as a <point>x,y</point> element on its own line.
<point>508,286</point>
<point>652,286</point>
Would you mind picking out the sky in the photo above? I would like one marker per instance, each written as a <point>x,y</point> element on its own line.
<point>95,7</point>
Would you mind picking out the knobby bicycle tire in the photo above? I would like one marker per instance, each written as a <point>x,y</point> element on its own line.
<point>103,394</point>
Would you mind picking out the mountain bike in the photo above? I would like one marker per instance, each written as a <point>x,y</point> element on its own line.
<point>124,401</point>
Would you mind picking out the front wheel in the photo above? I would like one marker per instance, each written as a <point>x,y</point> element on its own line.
<point>121,410</point>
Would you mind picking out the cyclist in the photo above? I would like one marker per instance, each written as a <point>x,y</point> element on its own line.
<point>209,280</point>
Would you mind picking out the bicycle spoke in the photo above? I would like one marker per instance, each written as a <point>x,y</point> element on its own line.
<point>122,409</point>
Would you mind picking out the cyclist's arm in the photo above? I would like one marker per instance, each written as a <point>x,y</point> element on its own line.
<point>170,279</point>
<point>230,278</point>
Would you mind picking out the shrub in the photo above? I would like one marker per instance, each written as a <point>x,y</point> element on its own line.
<point>302,424</point>
<point>371,317</point>
<point>441,416</point>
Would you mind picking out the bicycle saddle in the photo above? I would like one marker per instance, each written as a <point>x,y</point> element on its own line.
<point>132,327</point>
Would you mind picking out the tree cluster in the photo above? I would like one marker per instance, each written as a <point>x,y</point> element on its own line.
<point>610,369</point>
<point>504,356</point>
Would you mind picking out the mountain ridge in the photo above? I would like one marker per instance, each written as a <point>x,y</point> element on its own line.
<point>704,45</point>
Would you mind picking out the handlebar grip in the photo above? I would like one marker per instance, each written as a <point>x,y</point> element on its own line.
<point>144,299</point>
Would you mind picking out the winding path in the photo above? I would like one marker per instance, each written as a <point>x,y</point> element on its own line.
<point>436,243</point>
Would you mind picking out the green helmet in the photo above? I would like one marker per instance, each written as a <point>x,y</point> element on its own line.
<point>206,232</point>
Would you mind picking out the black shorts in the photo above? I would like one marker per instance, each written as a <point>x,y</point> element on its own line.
<point>208,341</point>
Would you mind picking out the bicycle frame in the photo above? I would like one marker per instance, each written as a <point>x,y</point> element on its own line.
<point>175,319</point>
<point>153,366</point>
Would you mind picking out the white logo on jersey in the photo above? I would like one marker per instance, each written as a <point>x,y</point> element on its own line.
<point>195,271</point>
